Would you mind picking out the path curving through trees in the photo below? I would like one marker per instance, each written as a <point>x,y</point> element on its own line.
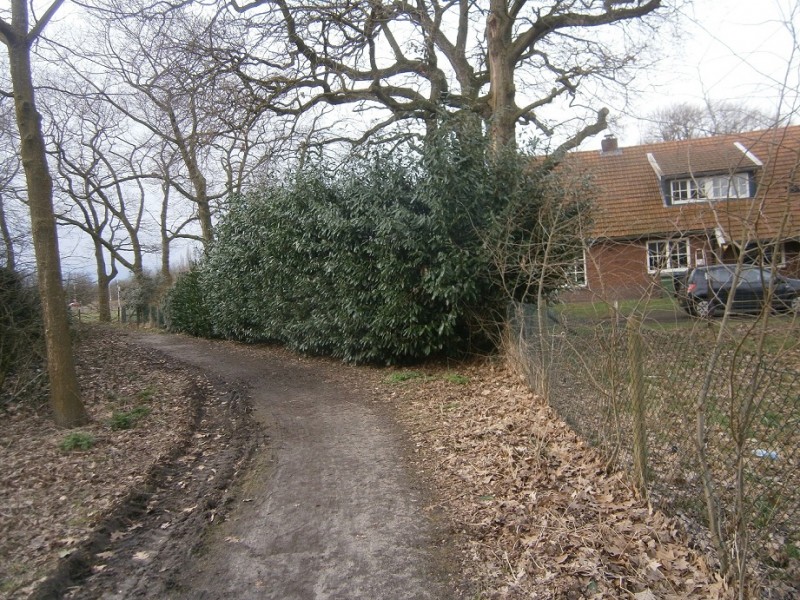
<point>328,508</point>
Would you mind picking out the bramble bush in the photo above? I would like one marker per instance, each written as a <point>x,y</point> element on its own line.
<point>21,332</point>
<point>386,261</point>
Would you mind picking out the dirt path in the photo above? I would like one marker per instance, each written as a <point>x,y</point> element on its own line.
<point>328,508</point>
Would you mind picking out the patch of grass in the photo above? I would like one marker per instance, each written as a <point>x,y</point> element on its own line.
<point>77,440</point>
<point>113,395</point>
<point>128,419</point>
<point>146,394</point>
<point>765,509</point>
<point>793,551</point>
<point>456,378</point>
<point>771,419</point>
<point>604,310</point>
<point>719,417</point>
<point>404,376</point>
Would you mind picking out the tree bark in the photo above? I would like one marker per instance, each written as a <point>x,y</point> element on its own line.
<point>68,409</point>
<point>5,232</point>
<point>502,93</point>
<point>104,279</point>
<point>188,153</point>
<point>103,298</point>
<point>166,273</point>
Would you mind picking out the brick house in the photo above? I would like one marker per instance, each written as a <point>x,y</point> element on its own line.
<point>661,208</point>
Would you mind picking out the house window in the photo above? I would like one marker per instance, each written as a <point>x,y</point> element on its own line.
<point>720,187</point>
<point>765,254</point>
<point>667,255</point>
<point>576,272</point>
<point>684,190</point>
<point>737,186</point>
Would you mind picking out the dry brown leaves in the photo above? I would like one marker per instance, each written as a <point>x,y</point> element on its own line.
<point>51,499</point>
<point>541,516</point>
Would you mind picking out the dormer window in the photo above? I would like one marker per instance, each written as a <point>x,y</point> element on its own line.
<point>718,187</point>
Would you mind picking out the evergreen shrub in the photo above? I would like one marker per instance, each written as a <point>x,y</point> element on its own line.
<point>185,306</point>
<point>389,260</point>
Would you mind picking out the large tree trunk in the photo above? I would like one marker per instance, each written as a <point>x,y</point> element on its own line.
<point>103,298</point>
<point>502,102</point>
<point>68,409</point>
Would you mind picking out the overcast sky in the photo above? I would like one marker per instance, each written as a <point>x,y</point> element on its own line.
<point>735,50</point>
<point>738,50</point>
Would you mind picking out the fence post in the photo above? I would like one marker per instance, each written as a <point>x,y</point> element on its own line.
<point>636,383</point>
<point>545,358</point>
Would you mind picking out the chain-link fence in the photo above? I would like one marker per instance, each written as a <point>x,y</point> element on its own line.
<point>704,421</point>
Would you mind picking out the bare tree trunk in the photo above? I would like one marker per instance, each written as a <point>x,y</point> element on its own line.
<point>165,238</point>
<point>637,396</point>
<point>68,409</point>
<point>104,279</point>
<point>11,262</point>
<point>103,298</point>
<point>188,152</point>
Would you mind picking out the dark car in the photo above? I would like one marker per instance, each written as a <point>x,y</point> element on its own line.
<point>704,291</point>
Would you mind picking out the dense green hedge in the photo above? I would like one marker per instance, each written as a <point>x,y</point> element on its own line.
<point>383,262</point>
<point>186,307</point>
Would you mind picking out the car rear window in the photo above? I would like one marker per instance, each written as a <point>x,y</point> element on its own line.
<point>723,275</point>
<point>720,275</point>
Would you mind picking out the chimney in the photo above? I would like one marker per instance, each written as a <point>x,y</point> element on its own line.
<point>608,144</point>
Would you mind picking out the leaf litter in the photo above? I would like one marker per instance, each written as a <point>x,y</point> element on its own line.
<point>532,505</point>
<point>539,514</point>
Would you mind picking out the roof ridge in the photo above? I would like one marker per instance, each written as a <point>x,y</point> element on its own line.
<point>709,140</point>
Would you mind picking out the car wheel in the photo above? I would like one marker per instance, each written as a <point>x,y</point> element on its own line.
<point>703,309</point>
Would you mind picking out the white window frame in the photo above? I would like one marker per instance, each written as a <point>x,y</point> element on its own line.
<point>675,255</point>
<point>717,187</point>
<point>576,272</point>
<point>684,191</point>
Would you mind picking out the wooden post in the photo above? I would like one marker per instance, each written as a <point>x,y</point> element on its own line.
<point>636,386</point>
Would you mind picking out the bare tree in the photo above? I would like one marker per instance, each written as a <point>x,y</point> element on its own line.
<point>157,76</point>
<point>103,175</point>
<point>19,34</point>
<point>173,222</point>
<point>9,169</point>
<point>495,62</point>
<point>686,121</point>
<point>8,255</point>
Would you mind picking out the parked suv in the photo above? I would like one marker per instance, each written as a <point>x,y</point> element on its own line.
<point>704,291</point>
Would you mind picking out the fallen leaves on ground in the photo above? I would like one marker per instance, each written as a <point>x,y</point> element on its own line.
<point>541,516</point>
<point>534,507</point>
<point>51,499</point>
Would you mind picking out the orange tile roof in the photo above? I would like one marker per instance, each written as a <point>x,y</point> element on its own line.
<point>629,201</point>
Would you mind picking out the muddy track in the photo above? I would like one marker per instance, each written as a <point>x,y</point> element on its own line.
<point>293,486</point>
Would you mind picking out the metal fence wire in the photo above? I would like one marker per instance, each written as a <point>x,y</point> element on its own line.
<point>736,420</point>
